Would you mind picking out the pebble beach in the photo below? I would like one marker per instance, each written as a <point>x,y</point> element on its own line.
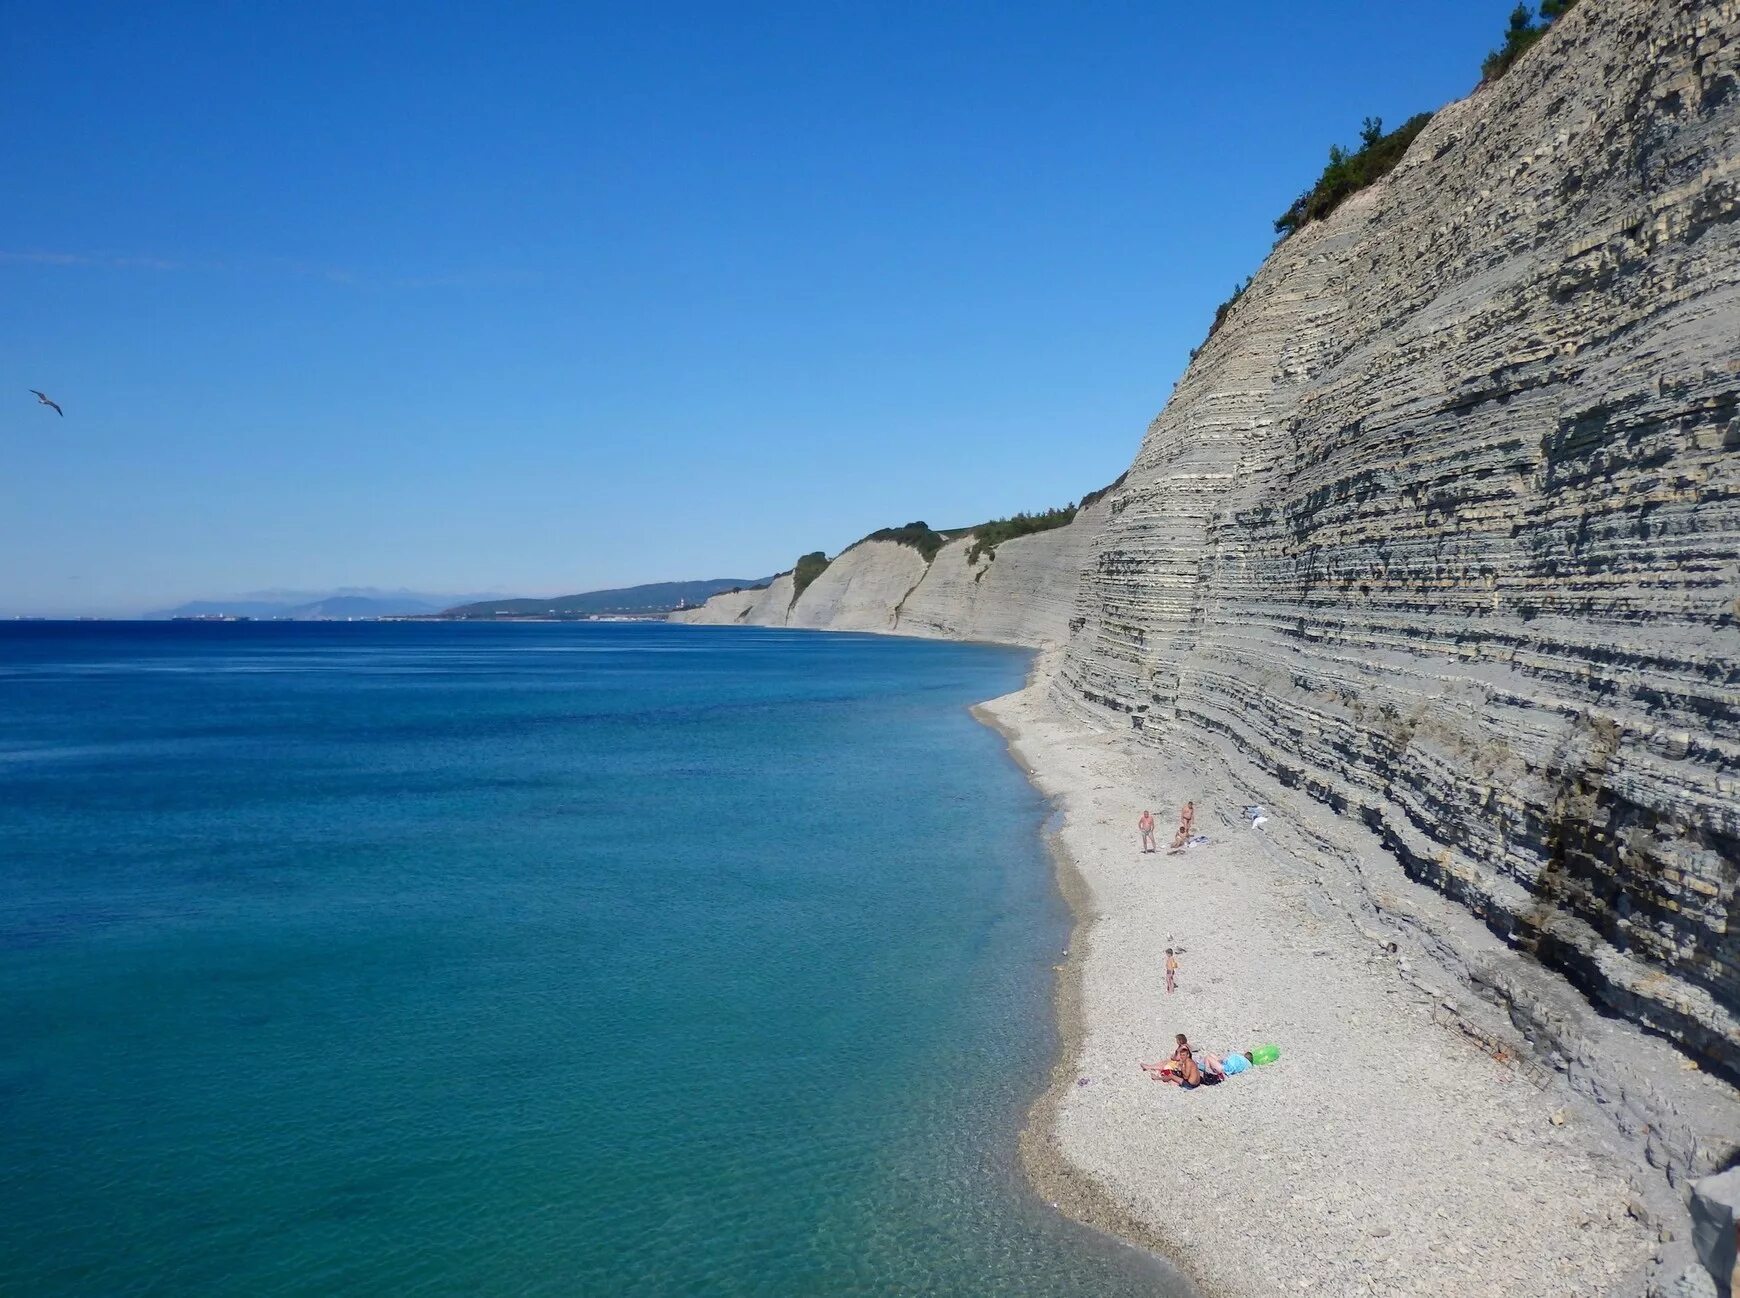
<point>1384,1153</point>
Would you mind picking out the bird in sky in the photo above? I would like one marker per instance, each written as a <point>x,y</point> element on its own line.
<point>42,399</point>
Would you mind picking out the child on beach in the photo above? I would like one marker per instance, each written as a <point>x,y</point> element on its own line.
<point>1145,826</point>
<point>1171,971</point>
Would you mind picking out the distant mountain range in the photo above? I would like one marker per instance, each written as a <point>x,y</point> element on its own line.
<point>658,597</point>
<point>313,606</point>
<point>371,602</point>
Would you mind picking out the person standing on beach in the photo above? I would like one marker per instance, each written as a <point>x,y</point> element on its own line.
<point>1171,971</point>
<point>1186,822</point>
<point>1146,827</point>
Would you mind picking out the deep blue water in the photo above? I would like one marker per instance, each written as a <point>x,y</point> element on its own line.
<point>475,960</point>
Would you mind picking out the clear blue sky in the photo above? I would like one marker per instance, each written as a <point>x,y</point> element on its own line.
<point>546,297</point>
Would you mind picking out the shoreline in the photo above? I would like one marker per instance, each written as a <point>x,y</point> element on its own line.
<point>1480,1178</point>
<point>1053,1177</point>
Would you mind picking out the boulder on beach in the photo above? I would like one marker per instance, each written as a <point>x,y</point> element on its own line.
<point>1716,1226</point>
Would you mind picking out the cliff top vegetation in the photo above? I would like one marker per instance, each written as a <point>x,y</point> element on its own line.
<point>1349,171</point>
<point>1524,30</point>
<point>1345,175</point>
<point>807,569</point>
<point>988,536</point>
<point>920,536</point>
<point>927,540</point>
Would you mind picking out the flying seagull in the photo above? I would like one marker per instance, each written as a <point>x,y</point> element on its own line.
<point>42,399</point>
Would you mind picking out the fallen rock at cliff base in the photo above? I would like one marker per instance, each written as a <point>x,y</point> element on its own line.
<point>1716,1225</point>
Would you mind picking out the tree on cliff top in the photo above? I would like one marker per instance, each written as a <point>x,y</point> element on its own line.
<point>919,536</point>
<point>1523,32</point>
<point>988,536</point>
<point>1348,173</point>
<point>809,567</point>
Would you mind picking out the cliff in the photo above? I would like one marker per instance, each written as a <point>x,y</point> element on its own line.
<point>1441,528</point>
<point>1443,525</point>
<point>1022,591</point>
<point>766,606</point>
<point>861,590</point>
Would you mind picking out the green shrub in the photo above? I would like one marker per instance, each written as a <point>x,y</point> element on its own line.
<point>1220,314</point>
<point>920,536</point>
<point>988,536</point>
<point>1347,174</point>
<point>1094,497</point>
<point>1524,30</point>
<point>808,568</point>
<point>1220,311</point>
<point>1521,34</point>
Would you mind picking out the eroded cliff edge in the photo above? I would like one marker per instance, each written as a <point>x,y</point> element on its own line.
<point>1442,528</point>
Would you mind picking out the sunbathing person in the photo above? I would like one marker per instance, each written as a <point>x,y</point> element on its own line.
<point>1209,1065</point>
<point>1187,1069</point>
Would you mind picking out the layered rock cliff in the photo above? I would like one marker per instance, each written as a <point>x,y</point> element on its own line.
<point>1022,591</point>
<point>1442,526</point>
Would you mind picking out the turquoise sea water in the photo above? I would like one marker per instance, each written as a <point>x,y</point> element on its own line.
<point>476,960</point>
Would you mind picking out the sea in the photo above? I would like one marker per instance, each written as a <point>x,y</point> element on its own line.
<point>545,959</point>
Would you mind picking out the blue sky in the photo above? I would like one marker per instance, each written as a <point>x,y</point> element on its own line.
<point>547,297</point>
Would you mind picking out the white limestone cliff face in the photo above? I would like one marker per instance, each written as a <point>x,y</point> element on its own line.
<point>1023,592</point>
<point>861,590</point>
<point>766,607</point>
<point>724,609</point>
<point>1443,526</point>
<point>774,605</point>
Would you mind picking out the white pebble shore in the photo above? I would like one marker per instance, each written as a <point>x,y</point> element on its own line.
<point>1383,1153</point>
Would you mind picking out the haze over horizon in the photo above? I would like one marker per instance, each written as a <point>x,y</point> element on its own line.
<point>561,299</point>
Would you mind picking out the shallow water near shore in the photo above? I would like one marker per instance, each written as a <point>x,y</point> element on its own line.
<point>481,959</point>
